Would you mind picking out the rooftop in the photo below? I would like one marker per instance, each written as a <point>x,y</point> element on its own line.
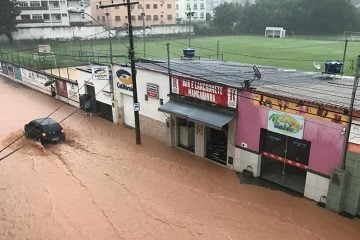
<point>308,86</point>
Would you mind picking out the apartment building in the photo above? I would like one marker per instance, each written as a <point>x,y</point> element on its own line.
<point>49,13</point>
<point>197,8</point>
<point>156,12</point>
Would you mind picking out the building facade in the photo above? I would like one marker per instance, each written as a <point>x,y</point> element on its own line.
<point>49,13</point>
<point>147,12</point>
<point>196,7</point>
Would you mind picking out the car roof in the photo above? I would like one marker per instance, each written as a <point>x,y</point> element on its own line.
<point>45,121</point>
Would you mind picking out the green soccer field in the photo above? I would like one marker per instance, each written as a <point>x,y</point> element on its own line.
<point>296,53</point>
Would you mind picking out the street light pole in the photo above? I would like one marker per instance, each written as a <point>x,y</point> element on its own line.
<point>189,15</point>
<point>351,109</point>
<point>132,62</point>
<point>143,18</point>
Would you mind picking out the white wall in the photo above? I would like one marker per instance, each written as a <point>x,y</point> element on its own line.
<point>316,186</point>
<point>243,159</point>
<point>147,108</point>
<point>88,32</point>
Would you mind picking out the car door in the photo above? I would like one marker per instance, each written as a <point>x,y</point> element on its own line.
<point>37,131</point>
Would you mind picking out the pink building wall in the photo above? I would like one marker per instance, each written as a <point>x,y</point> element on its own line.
<point>326,137</point>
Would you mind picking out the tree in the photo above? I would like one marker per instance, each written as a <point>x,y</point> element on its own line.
<point>8,13</point>
<point>226,17</point>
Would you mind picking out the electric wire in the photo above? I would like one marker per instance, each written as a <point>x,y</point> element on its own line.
<point>17,149</point>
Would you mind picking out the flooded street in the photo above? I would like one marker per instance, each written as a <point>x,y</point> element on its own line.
<point>100,185</point>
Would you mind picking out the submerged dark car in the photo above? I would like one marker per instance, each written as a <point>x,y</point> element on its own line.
<point>45,130</point>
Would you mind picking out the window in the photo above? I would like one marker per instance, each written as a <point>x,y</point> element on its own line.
<point>156,17</point>
<point>155,6</point>
<point>97,6</point>
<point>195,6</point>
<point>56,4</point>
<point>169,6</point>
<point>98,18</point>
<point>103,18</point>
<point>202,15</point>
<point>169,17</point>
<point>116,7</point>
<point>23,4</point>
<point>46,17</point>
<point>177,6</point>
<point>117,18</point>
<point>140,6</point>
<point>25,17</point>
<point>148,17</point>
<point>133,18</point>
<point>56,17</point>
<point>35,4</point>
<point>147,6</point>
<point>37,16</point>
<point>188,6</point>
<point>64,14</point>
<point>202,6</point>
<point>140,17</point>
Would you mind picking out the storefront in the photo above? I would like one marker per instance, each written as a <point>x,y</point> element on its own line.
<point>201,118</point>
<point>288,142</point>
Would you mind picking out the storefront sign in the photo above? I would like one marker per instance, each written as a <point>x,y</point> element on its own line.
<point>100,73</point>
<point>355,132</point>
<point>221,95</point>
<point>285,123</point>
<point>152,90</point>
<point>124,80</point>
<point>300,109</point>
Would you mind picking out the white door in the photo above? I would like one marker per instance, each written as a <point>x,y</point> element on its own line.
<point>129,117</point>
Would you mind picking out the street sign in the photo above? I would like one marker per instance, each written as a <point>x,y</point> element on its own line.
<point>136,107</point>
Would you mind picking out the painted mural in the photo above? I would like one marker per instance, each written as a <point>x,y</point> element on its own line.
<point>299,108</point>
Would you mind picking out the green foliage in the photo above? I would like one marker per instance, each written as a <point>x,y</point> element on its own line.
<point>8,13</point>
<point>300,16</point>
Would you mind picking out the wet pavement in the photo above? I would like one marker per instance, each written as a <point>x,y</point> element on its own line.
<point>100,185</point>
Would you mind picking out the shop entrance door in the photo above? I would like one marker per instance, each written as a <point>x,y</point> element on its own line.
<point>90,90</point>
<point>284,160</point>
<point>186,134</point>
<point>216,145</point>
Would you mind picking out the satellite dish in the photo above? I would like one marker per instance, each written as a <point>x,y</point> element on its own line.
<point>257,73</point>
<point>317,65</point>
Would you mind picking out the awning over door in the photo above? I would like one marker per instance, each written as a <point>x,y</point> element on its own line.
<point>211,118</point>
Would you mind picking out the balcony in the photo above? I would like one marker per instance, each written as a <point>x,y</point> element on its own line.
<point>23,8</point>
<point>29,21</point>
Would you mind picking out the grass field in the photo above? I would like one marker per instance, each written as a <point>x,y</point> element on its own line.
<point>299,53</point>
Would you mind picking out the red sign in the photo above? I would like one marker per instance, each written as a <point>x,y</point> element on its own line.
<point>209,92</point>
<point>152,90</point>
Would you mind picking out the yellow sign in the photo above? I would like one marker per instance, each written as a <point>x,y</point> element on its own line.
<point>300,108</point>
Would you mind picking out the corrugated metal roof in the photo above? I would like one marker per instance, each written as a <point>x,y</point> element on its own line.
<point>307,86</point>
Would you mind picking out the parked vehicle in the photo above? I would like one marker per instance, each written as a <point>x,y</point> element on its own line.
<point>45,130</point>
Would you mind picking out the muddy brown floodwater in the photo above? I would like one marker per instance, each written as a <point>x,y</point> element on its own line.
<point>100,185</point>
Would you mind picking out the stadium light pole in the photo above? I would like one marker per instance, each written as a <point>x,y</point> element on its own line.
<point>129,5</point>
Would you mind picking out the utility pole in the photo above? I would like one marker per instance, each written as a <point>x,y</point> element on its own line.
<point>189,15</point>
<point>344,56</point>
<point>143,18</point>
<point>132,62</point>
<point>351,109</point>
<point>169,70</point>
<point>217,49</point>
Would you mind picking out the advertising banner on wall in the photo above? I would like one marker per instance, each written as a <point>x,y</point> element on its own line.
<point>209,92</point>
<point>3,67</point>
<point>123,80</point>
<point>73,91</point>
<point>287,124</point>
<point>100,73</point>
<point>61,88</point>
<point>10,70</point>
<point>34,78</point>
<point>355,132</point>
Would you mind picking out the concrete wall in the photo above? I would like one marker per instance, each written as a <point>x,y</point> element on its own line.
<point>87,32</point>
<point>316,186</point>
<point>351,203</point>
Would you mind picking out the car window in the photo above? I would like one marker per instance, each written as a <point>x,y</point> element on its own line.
<point>52,127</point>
